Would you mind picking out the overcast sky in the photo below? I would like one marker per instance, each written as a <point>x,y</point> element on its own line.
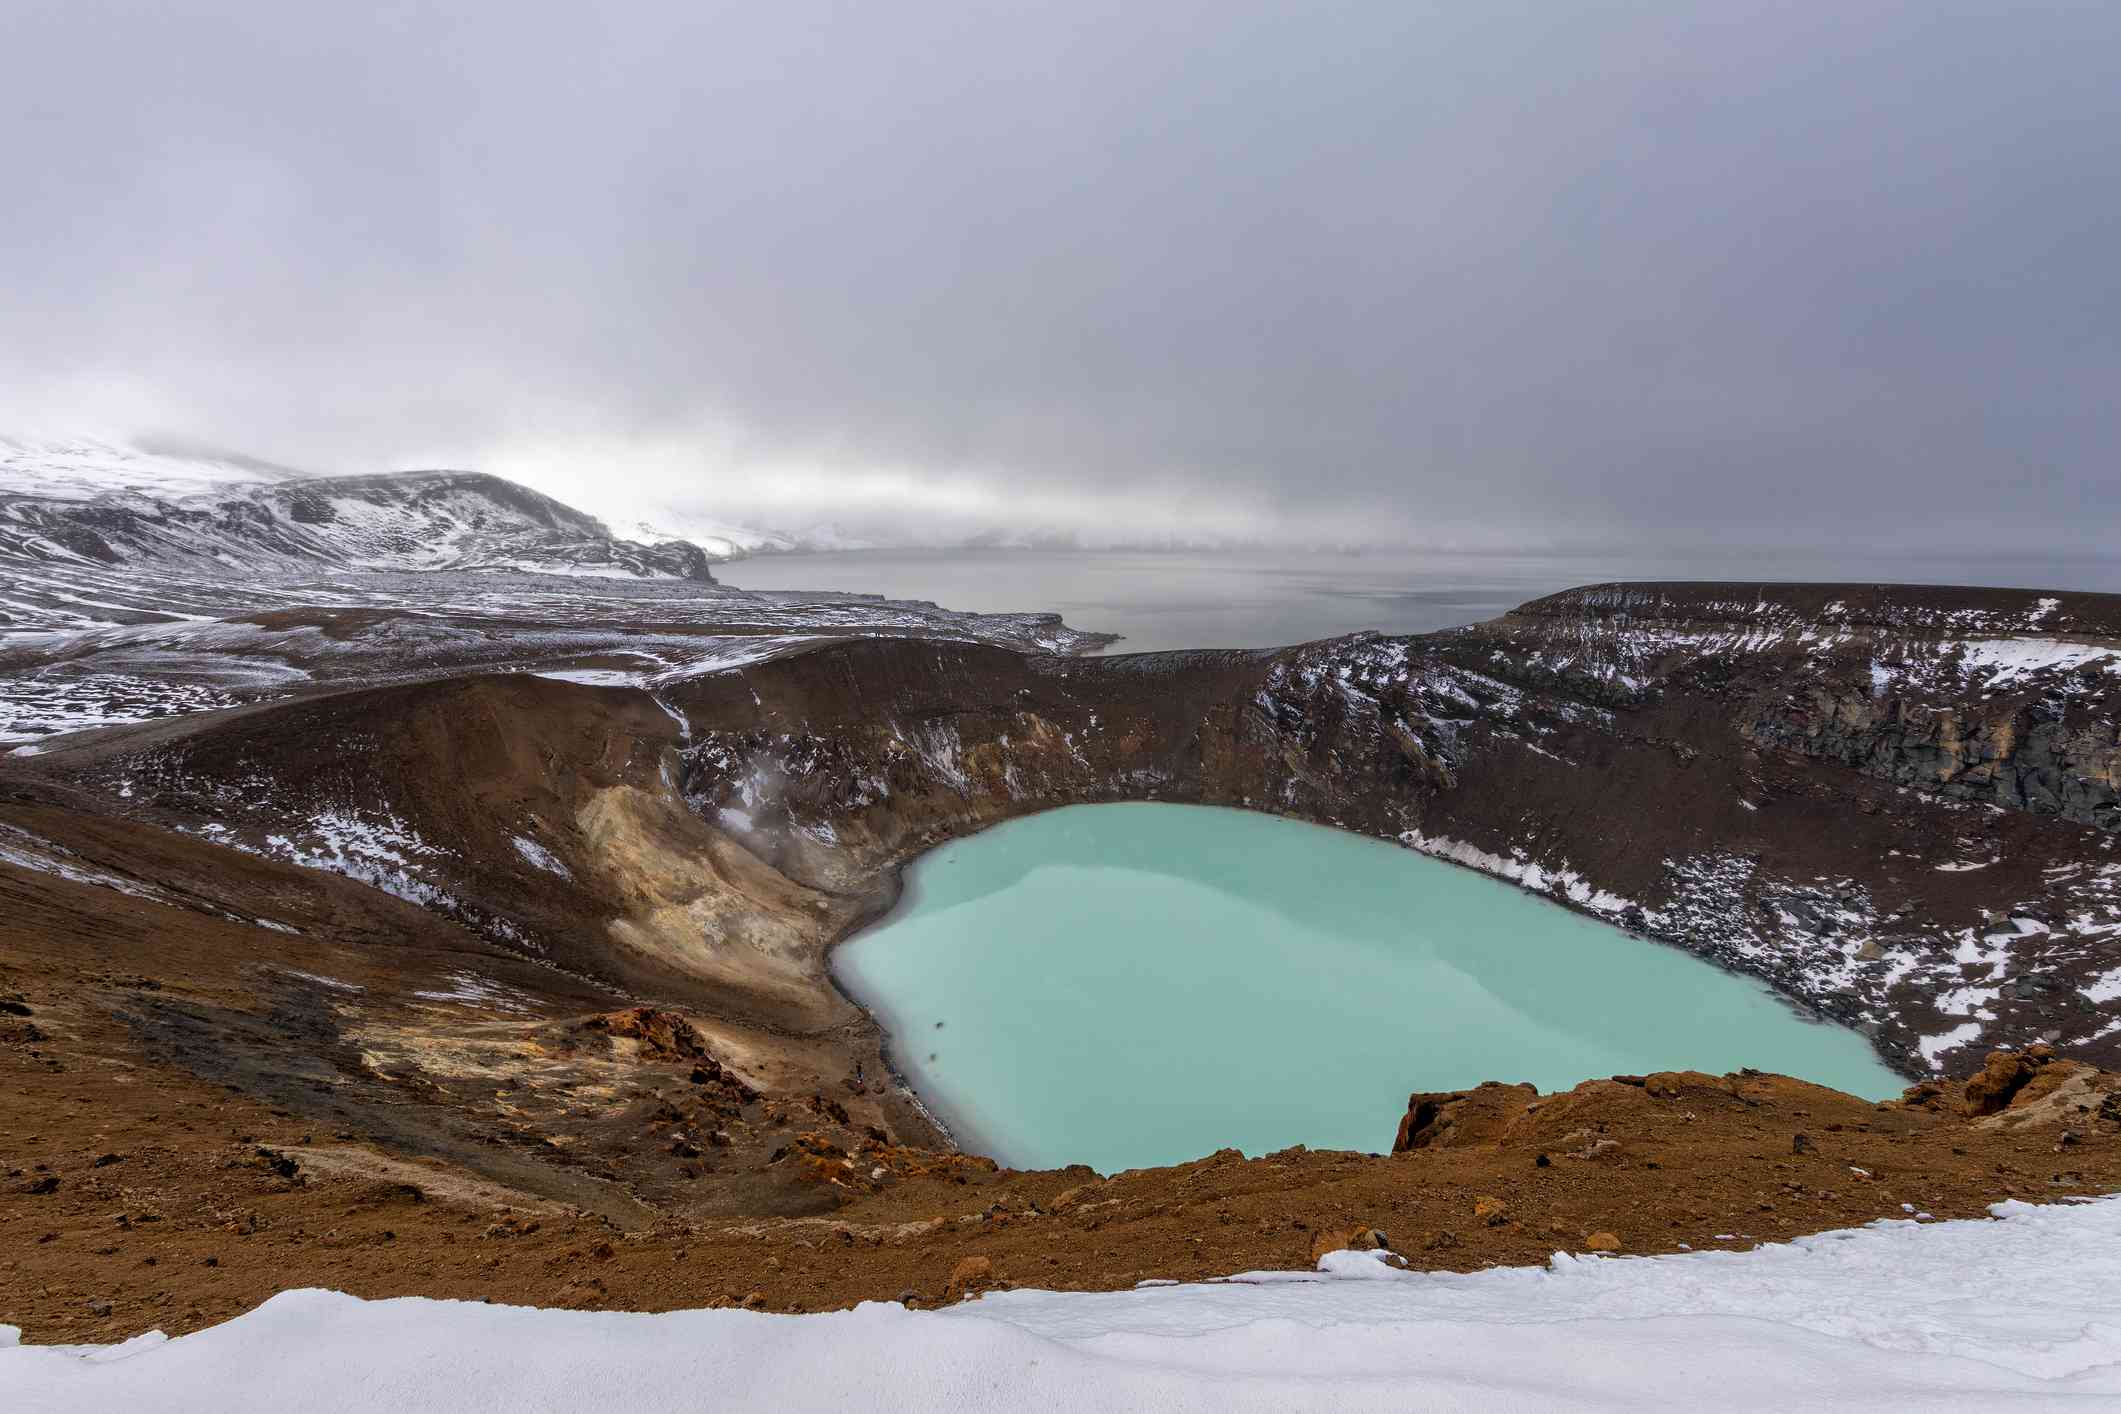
<point>1470,273</point>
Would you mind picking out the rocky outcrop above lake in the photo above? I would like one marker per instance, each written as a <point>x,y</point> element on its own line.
<point>2004,697</point>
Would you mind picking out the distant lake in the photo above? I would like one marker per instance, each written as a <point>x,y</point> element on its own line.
<point>1123,985</point>
<point>1264,600</point>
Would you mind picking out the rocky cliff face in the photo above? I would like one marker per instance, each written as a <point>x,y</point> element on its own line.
<point>2004,697</point>
<point>2042,753</point>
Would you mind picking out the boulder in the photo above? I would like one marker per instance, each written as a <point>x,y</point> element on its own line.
<point>2002,1076</point>
<point>969,1275</point>
<point>2061,1092</point>
<point>1354,1239</point>
<point>1449,1118</point>
<point>1671,1084</point>
<point>662,1035</point>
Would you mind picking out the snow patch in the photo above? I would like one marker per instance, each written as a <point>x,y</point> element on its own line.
<point>941,750</point>
<point>2004,661</point>
<point>1900,1314</point>
<point>27,851</point>
<point>539,857</point>
<point>380,852</point>
<point>594,677</point>
<point>1560,882</point>
<point>1934,1047</point>
<point>470,989</point>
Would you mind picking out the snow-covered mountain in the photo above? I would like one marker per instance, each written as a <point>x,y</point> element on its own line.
<point>95,503</point>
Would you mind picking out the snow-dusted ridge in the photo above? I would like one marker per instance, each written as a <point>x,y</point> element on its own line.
<point>85,469</point>
<point>139,585</point>
<point>156,516</point>
<point>2023,1312</point>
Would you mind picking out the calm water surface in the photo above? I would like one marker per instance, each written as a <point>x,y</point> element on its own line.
<point>1264,600</point>
<point>1122,985</point>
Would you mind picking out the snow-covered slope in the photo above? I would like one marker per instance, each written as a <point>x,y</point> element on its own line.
<point>89,504</point>
<point>2021,1313</point>
<point>84,470</point>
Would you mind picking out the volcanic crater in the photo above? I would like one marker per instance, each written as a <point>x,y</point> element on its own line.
<point>458,953</point>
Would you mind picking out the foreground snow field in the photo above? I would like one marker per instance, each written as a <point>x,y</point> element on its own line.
<point>2017,1313</point>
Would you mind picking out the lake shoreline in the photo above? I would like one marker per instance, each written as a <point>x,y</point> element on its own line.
<point>958,1129</point>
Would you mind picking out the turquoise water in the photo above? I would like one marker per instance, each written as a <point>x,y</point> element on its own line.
<point>1124,985</point>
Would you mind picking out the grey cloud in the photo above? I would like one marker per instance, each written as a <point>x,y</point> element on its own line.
<point>1382,270</point>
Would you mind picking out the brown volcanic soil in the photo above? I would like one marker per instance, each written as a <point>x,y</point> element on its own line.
<point>138,1197</point>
